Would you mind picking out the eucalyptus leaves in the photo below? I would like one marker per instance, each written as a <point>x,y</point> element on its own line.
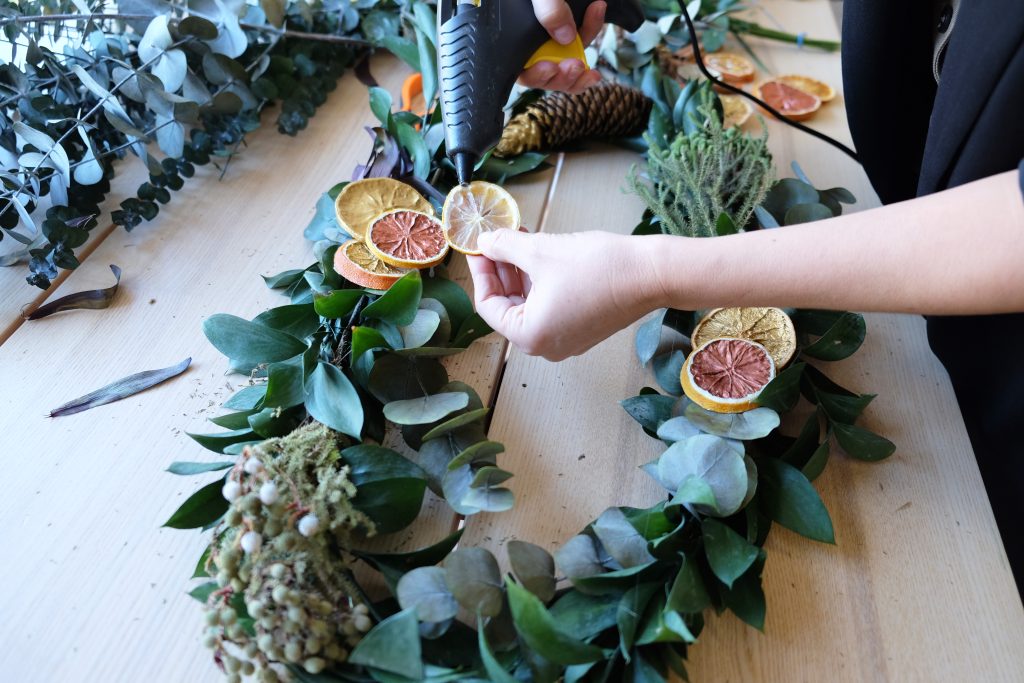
<point>185,81</point>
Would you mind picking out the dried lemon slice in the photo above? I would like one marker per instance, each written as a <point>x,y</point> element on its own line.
<point>730,66</point>
<point>471,210</point>
<point>770,327</point>
<point>407,239</point>
<point>355,263</point>
<point>727,375</point>
<point>736,109</point>
<point>360,202</point>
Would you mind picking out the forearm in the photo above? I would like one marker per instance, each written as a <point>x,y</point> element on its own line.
<point>960,251</point>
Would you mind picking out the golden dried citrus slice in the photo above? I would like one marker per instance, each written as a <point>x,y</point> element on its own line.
<point>736,109</point>
<point>355,263</point>
<point>471,210</point>
<point>730,66</point>
<point>727,375</point>
<point>407,239</point>
<point>769,327</point>
<point>823,91</point>
<point>791,102</point>
<point>363,200</point>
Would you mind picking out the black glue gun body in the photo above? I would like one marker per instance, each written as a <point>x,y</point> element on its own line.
<point>483,46</point>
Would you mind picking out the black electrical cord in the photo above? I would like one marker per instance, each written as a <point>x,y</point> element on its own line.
<point>739,91</point>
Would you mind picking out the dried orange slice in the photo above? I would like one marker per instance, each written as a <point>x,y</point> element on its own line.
<point>769,327</point>
<point>736,110</point>
<point>407,239</point>
<point>360,202</point>
<point>727,375</point>
<point>823,91</point>
<point>355,263</point>
<point>730,66</point>
<point>791,102</point>
<point>471,210</point>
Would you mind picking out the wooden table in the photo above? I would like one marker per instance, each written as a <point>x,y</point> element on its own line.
<point>92,589</point>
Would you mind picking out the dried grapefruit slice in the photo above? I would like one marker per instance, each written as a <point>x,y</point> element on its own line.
<point>355,263</point>
<point>823,91</point>
<point>407,239</point>
<point>727,375</point>
<point>769,327</point>
<point>736,109</point>
<point>730,66</point>
<point>360,202</point>
<point>791,102</point>
<point>471,210</point>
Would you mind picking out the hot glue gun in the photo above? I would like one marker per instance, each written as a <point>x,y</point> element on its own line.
<point>483,46</point>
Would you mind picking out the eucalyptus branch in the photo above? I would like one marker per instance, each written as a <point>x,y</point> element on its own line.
<point>126,145</point>
<point>99,104</point>
<point>273,30</point>
<point>304,35</point>
<point>60,18</point>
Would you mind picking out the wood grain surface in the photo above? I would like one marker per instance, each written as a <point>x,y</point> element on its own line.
<point>916,589</point>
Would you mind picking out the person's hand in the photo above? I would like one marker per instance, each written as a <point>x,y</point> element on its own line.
<point>569,75</point>
<point>558,295</point>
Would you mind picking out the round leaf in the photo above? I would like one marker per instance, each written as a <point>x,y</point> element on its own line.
<point>622,541</point>
<point>534,568</point>
<point>424,590</point>
<point>578,558</point>
<point>421,329</point>
<point>711,460</point>
<point>473,577</point>
<point>677,429</point>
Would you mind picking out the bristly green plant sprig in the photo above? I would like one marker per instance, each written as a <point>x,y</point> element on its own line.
<point>708,180</point>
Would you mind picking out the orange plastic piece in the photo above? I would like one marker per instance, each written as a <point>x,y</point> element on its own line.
<point>412,95</point>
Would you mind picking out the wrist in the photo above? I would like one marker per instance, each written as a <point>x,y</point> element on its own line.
<point>677,267</point>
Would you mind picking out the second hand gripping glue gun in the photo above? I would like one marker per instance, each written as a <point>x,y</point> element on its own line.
<point>483,46</point>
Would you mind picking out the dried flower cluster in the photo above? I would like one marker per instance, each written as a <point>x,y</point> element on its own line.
<point>286,594</point>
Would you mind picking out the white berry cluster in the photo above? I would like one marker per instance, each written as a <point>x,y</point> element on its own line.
<point>273,554</point>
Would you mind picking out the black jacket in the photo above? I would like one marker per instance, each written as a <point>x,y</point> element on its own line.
<point>914,139</point>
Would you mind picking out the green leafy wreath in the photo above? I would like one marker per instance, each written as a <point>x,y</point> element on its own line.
<point>290,582</point>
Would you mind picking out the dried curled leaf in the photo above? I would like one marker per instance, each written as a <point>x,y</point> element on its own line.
<point>122,388</point>
<point>92,298</point>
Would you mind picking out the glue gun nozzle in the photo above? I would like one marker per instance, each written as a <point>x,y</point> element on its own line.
<point>464,163</point>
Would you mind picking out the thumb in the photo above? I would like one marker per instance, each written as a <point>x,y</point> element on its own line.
<point>507,246</point>
<point>557,18</point>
